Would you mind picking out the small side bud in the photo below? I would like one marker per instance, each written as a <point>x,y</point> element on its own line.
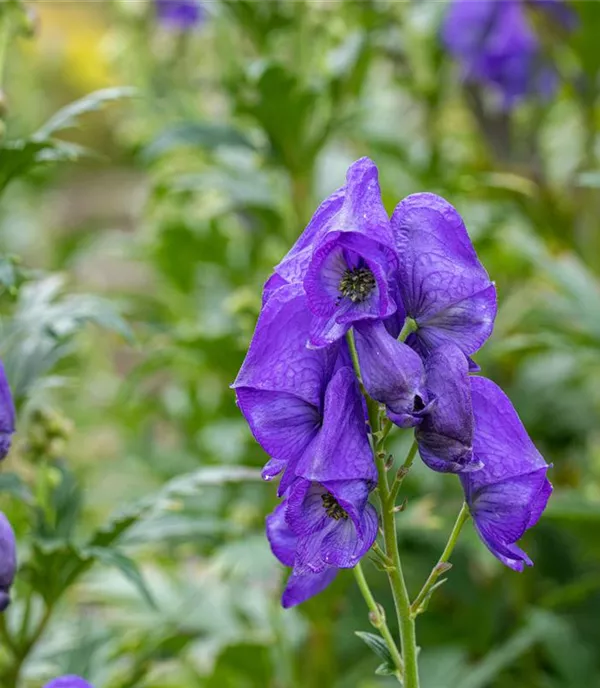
<point>389,463</point>
<point>377,620</point>
<point>442,567</point>
<point>400,507</point>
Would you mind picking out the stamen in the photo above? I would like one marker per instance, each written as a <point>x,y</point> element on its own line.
<point>357,284</point>
<point>334,510</point>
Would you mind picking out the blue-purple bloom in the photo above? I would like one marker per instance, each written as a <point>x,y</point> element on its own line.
<point>180,15</point>
<point>445,289</point>
<point>7,414</point>
<point>345,258</point>
<point>297,388</point>
<point>508,495</point>
<point>496,45</point>
<point>68,682</point>
<point>8,561</point>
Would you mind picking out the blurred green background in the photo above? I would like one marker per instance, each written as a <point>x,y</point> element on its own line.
<point>132,274</point>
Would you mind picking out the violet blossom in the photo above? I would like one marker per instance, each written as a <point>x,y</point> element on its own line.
<point>495,44</point>
<point>345,258</point>
<point>446,291</point>
<point>508,495</point>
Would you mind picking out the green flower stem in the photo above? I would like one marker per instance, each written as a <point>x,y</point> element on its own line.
<point>406,621</point>
<point>403,471</point>
<point>378,618</point>
<point>442,566</point>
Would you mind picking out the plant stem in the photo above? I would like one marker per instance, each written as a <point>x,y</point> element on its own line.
<point>442,564</point>
<point>378,618</point>
<point>406,621</point>
<point>403,471</point>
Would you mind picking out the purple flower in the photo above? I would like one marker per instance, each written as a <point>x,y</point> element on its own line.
<point>508,495</point>
<point>300,587</point>
<point>8,561</point>
<point>68,682</point>
<point>346,258</point>
<point>392,373</point>
<point>303,406</point>
<point>495,44</point>
<point>180,15</point>
<point>444,287</point>
<point>445,436</point>
<point>7,414</point>
<point>333,521</point>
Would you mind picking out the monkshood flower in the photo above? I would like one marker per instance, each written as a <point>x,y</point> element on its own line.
<point>180,15</point>
<point>345,258</point>
<point>68,682</point>
<point>445,436</point>
<point>392,374</point>
<point>303,405</point>
<point>495,44</point>
<point>508,495</point>
<point>8,561</point>
<point>7,415</point>
<point>333,521</point>
<point>446,291</point>
<point>299,587</point>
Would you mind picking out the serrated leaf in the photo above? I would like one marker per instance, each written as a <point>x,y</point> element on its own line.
<point>117,526</point>
<point>379,647</point>
<point>66,117</point>
<point>128,567</point>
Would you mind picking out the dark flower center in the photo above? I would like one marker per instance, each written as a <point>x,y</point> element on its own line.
<point>334,510</point>
<point>357,284</point>
<point>418,404</point>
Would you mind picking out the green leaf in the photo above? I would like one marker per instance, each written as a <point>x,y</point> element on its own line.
<point>128,567</point>
<point>14,485</point>
<point>207,135</point>
<point>66,117</point>
<point>380,648</point>
<point>117,526</point>
<point>191,483</point>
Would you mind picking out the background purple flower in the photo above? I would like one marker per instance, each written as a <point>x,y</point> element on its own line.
<point>181,15</point>
<point>444,287</point>
<point>445,436</point>
<point>68,682</point>
<point>508,495</point>
<point>7,414</point>
<point>495,44</point>
<point>8,561</point>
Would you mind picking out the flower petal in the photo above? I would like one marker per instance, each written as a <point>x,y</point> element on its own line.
<point>282,424</point>
<point>278,359</point>
<point>444,287</point>
<point>445,436</point>
<point>344,546</point>
<point>300,588</point>
<point>8,560</point>
<point>282,540</point>
<point>392,372</point>
<point>341,450</point>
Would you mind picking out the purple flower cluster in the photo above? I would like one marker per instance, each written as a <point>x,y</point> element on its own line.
<point>417,273</point>
<point>495,44</point>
